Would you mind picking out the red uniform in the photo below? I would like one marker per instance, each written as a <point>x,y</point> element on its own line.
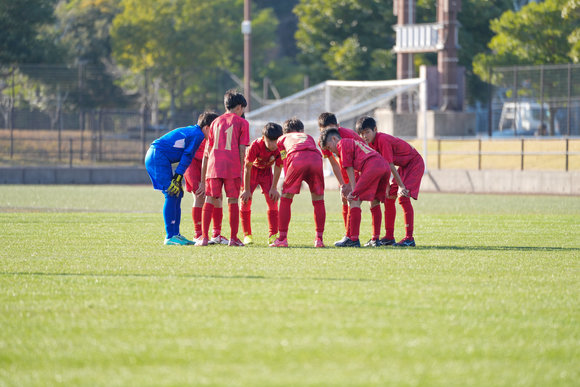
<point>227,133</point>
<point>344,133</point>
<point>374,170</point>
<point>262,160</point>
<point>302,162</point>
<point>192,175</point>
<point>402,154</point>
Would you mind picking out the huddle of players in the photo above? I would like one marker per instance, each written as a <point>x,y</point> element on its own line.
<point>362,162</point>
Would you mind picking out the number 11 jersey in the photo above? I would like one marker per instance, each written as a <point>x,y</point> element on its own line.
<point>222,148</point>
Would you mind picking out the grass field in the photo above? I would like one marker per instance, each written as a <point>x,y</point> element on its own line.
<point>90,296</point>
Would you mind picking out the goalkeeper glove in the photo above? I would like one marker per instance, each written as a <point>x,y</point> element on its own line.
<point>175,187</point>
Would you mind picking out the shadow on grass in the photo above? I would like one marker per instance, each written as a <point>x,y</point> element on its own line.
<point>423,247</point>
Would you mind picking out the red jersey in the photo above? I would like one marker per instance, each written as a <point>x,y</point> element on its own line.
<point>355,154</point>
<point>261,157</point>
<point>393,149</point>
<point>294,142</point>
<point>344,133</point>
<point>226,134</point>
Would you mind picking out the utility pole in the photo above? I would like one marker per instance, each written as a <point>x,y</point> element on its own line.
<point>247,31</point>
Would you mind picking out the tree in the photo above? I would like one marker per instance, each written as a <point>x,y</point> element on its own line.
<point>350,39</point>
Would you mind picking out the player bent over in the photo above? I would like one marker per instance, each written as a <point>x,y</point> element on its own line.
<point>261,155</point>
<point>302,162</point>
<point>179,145</point>
<point>222,164</point>
<point>371,185</point>
<point>192,178</point>
<point>406,178</point>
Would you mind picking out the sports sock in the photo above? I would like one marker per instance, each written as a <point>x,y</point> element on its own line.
<point>409,215</point>
<point>354,222</point>
<point>169,215</point>
<point>217,217</point>
<point>319,216</point>
<point>284,214</point>
<point>345,218</point>
<point>390,215</point>
<point>246,216</point>
<point>196,215</point>
<point>234,220</point>
<point>377,218</point>
<point>272,215</point>
<point>207,212</point>
<point>177,216</point>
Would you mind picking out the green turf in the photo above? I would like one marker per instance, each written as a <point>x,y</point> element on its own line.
<point>90,296</point>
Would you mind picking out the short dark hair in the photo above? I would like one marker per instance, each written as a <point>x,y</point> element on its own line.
<point>326,135</point>
<point>365,122</point>
<point>272,131</point>
<point>233,98</point>
<point>206,118</point>
<point>293,125</point>
<point>326,119</point>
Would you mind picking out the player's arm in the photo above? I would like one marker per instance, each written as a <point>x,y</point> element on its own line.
<point>274,194</point>
<point>402,190</point>
<point>336,169</point>
<point>201,190</point>
<point>242,149</point>
<point>247,194</point>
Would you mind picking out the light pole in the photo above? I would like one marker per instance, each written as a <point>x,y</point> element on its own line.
<point>247,31</point>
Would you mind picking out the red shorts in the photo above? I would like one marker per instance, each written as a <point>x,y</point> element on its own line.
<point>213,187</point>
<point>261,177</point>
<point>192,176</point>
<point>373,181</point>
<point>304,166</point>
<point>411,175</point>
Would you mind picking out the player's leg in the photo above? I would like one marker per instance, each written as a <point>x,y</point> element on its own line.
<point>319,218</point>
<point>411,176</point>
<point>285,213</point>
<point>246,209</point>
<point>196,213</point>
<point>390,215</point>
<point>213,192</point>
<point>232,189</point>
<point>314,177</point>
<point>272,218</point>
<point>217,220</point>
<point>377,218</point>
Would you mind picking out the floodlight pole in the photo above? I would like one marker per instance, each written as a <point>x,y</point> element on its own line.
<point>247,31</point>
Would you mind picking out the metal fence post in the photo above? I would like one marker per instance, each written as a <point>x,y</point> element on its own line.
<point>479,155</point>
<point>490,106</point>
<point>438,153</point>
<point>567,150</point>
<point>522,163</point>
<point>569,107</point>
<point>70,152</point>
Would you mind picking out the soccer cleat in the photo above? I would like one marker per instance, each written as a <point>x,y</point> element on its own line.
<point>373,243</point>
<point>201,242</point>
<point>218,240</point>
<point>279,243</point>
<point>175,241</point>
<point>235,242</point>
<point>318,242</point>
<point>348,243</point>
<point>343,240</point>
<point>272,238</point>
<point>406,242</point>
<point>187,241</point>
<point>248,240</point>
<point>387,242</point>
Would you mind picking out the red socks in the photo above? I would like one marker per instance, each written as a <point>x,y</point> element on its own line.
<point>217,217</point>
<point>272,215</point>
<point>377,218</point>
<point>284,214</point>
<point>390,215</point>
<point>207,212</point>
<point>345,218</point>
<point>234,220</point>
<point>196,214</point>
<point>246,215</point>
<point>409,215</point>
<point>354,222</point>
<point>319,217</point>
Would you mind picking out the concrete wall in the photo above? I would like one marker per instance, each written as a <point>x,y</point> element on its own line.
<point>464,181</point>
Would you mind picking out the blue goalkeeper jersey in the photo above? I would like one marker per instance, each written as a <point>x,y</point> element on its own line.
<point>180,145</point>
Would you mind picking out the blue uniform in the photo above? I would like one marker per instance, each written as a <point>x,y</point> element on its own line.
<point>179,145</point>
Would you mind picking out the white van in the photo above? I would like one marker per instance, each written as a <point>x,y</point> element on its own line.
<point>523,118</point>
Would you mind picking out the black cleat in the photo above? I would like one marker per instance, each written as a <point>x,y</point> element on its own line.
<point>347,242</point>
<point>406,242</point>
<point>373,243</point>
<point>343,240</point>
<point>388,242</point>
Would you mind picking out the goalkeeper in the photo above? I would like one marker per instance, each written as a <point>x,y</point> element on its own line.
<point>177,146</point>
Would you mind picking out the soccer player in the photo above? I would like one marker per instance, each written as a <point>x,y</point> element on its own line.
<point>222,165</point>
<point>302,162</point>
<point>177,146</point>
<point>261,155</point>
<point>192,178</point>
<point>371,185</point>
<point>328,120</point>
<point>406,178</point>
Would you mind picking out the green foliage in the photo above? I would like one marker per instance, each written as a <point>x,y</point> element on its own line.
<point>537,34</point>
<point>94,298</point>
